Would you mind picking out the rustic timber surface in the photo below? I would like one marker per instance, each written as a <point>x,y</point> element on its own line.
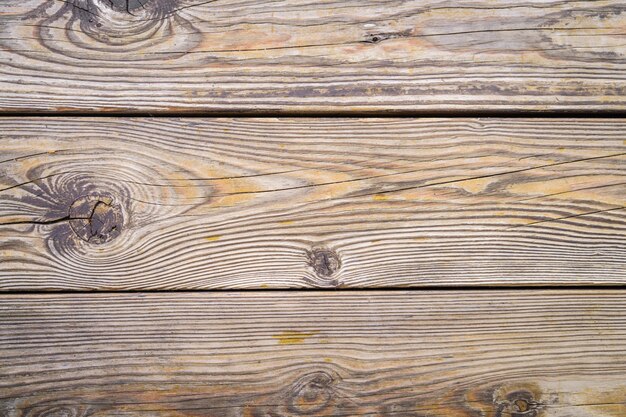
<point>255,203</point>
<point>145,211</point>
<point>301,56</point>
<point>278,354</point>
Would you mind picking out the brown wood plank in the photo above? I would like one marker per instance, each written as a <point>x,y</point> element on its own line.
<point>255,203</point>
<point>303,56</point>
<point>410,354</point>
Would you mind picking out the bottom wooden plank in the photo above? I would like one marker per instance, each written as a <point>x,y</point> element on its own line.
<point>273,354</point>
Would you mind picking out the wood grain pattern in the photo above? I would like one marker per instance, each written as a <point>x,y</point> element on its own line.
<point>255,203</point>
<point>302,56</point>
<point>276,354</point>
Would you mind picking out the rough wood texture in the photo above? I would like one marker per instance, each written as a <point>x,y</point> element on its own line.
<point>220,203</point>
<point>273,354</point>
<point>298,55</point>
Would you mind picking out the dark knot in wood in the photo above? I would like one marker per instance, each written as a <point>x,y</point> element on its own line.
<point>324,262</point>
<point>96,218</point>
<point>519,404</point>
<point>132,18</point>
<point>312,393</point>
<point>130,5</point>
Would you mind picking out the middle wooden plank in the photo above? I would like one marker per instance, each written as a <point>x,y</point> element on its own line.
<point>107,204</point>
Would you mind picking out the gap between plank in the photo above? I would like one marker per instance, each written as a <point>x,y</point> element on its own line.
<point>513,114</point>
<point>425,289</point>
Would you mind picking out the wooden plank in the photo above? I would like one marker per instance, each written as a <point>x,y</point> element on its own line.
<point>413,354</point>
<point>255,203</point>
<point>303,56</point>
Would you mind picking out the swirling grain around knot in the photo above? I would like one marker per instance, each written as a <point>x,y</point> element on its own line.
<point>108,33</point>
<point>312,393</point>
<point>89,208</point>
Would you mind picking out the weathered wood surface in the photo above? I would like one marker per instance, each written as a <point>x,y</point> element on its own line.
<point>299,56</point>
<point>255,203</point>
<point>274,354</point>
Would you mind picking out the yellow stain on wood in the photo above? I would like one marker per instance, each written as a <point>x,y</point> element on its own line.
<point>605,189</point>
<point>183,186</point>
<point>475,186</point>
<point>381,197</point>
<point>328,360</point>
<point>226,189</point>
<point>544,187</point>
<point>286,222</point>
<point>325,184</point>
<point>293,337</point>
<point>213,238</point>
<point>232,200</point>
<point>609,402</point>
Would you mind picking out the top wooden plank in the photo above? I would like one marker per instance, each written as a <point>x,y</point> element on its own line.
<point>301,56</point>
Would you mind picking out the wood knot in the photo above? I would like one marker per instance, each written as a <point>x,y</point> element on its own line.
<point>128,5</point>
<point>132,30</point>
<point>518,404</point>
<point>132,6</point>
<point>96,218</point>
<point>107,20</point>
<point>324,262</point>
<point>312,393</point>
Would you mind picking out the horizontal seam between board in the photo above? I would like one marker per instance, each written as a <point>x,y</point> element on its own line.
<point>424,289</point>
<point>389,113</point>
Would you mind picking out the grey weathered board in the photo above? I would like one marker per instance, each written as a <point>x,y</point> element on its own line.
<point>303,56</point>
<point>99,203</point>
<point>341,354</point>
<point>120,203</point>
